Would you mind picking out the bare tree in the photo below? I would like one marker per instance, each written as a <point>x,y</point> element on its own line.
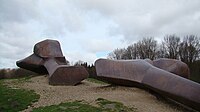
<point>162,51</point>
<point>117,54</point>
<point>171,45</point>
<point>78,63</point>
<point>147,48</point>
<point>189,49</point>
<point>131,52</point>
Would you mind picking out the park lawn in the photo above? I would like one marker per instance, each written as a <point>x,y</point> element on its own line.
<point>14,99</point>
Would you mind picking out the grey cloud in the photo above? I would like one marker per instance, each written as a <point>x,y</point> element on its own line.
<point>98,45</point>
<point>25,22</point>
<point>139,18</point>
<point>17,10</point>
<point>105,22</point>
<point>60,16</point>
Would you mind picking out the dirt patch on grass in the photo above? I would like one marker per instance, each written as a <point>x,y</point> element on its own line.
<point>90,91</point>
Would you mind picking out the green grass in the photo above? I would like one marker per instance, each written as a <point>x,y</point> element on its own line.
<point>112,106</point>
<point>76,106</point>
<point>96,81</point>
<point>80,106</point>
<point>13,100</point>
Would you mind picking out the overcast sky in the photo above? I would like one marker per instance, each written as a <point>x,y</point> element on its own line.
<point>90,29</point>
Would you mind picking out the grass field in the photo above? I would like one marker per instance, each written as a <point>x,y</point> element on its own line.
<point>14,99</point>
<point>90,96</point>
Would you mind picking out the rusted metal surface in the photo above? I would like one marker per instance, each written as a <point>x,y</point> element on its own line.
<point>143,74</point>
<point>47,49</point>
<point>33,63</point>
<point>48,58</point>
<point>174,66</point>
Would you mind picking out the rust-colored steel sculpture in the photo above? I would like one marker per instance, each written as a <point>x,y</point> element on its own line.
<point>48,58</point>
<point>174,66</point>
<point>143,74</point>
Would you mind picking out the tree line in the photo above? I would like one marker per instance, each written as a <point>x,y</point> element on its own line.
<point>15,73</point>
<point>172,46</point>
<point>186,49</point>
<point>90,68</point>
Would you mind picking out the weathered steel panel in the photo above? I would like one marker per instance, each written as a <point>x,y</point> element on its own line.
<point>48,58</point>
<point>174,66</point>
<point>141,73</point>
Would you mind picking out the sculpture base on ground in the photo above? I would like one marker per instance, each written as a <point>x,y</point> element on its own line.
<point>48,59</point>
<point>141,73</point>
<point>70,75</point>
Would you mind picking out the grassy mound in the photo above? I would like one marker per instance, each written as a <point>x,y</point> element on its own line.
<point>13,99</point>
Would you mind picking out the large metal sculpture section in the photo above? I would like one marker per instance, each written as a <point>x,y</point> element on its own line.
<point>143,74</point>
<point>174,66</point>
<point>48,58</point>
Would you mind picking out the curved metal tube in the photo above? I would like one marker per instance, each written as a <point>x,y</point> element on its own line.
<point>143,74</point>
